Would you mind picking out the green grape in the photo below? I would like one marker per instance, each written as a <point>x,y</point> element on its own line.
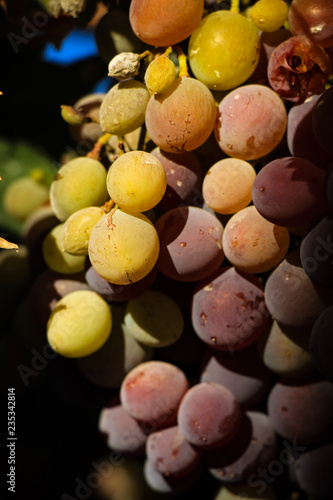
<point>23,196</point>
<point>224,50</point>
<point>78,184</point>
<point>269,15</point>
<point>123,108</point>
<point>136,181</point>
<point>123,247</point>
<point>79,324</point>
<point>160,74</point>
<point>77,229</point>
<point>54,256</point>
<point>154,319</point>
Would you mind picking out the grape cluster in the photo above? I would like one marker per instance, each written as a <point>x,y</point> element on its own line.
<point>185,261</point>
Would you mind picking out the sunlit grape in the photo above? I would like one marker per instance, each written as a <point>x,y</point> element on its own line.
<point>136,181</point>
<point>224,50</point>
<point>77,229</point>
<point>79,324</point>
<point>123,247</point>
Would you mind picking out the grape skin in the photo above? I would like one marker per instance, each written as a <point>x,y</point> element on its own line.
<point>247,127</point>
<point>79,324</point>
<point>123,108</point>
<point>136,181</point>
<point>54,256</point>
<point>183,117</point>
<point>190,240</point>
<point>78,184</point>
<point>77,229</point>
<point>154,319</point>
<point>123,247</point>
<point>224,50</point>
<point>253,244</point>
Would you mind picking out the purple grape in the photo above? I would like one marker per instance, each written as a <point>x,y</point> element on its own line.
<point>289,191</point>
<point>253,447</point>
<point>124,433</point>
<point>321,343</point>
<point>314,471</point>
<point>316,253</point>
<point>190,243</point>
<point>322,122</point>
<point>302,410</point>
<point>228,309</point>
<point>209,415</point>
<point>170,453</point>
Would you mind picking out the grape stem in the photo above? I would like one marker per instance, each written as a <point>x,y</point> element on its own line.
<point>107,206</point>
<point>96,150</point>
<point>183,68</point>
<point>234,7</point>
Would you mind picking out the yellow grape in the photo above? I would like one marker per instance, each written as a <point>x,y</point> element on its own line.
<point>160,74</point>
<point>224,50</point>
<point>54,256</point>
<point>136,181</point>
<point>78,184</point>
<point>79,324</point>
<point>77,229</point>
<point>23,196</point>
<point>227,186</point>
<point>123,247</point>
<point>123,108</point>
<point>269,15</point>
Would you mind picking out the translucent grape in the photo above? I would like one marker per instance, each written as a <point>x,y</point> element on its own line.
<point>136,181</point>
<point>154,319</point>
<point>166,23</point>
<point>77,229</point>
<point>160,74</point>
<point>224,50</point>
<point>269,15</point>
<point>123,108</point>
<point>54,256</point>
<point>23,196</point>
<point>79,324</point>
<point>252,244</point>
<point>183,117</point>
<point>251,122</point>
<point>123,247</point>
<point>78,184</point>
<point>227,186</point>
